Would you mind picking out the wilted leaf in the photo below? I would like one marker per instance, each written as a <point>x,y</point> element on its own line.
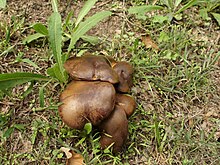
<point>148,42</point>
<point>72,157</point>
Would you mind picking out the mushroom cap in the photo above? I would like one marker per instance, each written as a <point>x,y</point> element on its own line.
<point>126,102</point>
<point>115,130</point>
<point>90,67</point>
<point>124,71</point>
<point>86,101</point>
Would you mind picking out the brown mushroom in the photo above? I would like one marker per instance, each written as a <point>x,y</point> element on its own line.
<point>86,101</point>
<point>115,130</point>
<point>124,71</point>
<point>89,67</point>
<point>126,102</point>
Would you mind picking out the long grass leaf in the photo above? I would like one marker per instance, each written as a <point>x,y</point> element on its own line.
<point>86,26</point>
<point>87,6</point>
<point>9,80</point>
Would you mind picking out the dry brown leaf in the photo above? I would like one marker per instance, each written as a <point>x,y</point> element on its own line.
<point>149,42</point>
<point>72,157</point>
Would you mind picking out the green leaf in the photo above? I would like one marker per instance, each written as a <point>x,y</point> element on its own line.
<point>217,17</point>
<point>55,35</point>
<point>55,72</point>
<point>163,37</point>
<point>204,13</point>
<point>20,127</point>
<point>9,80</point>
<point>86,7</point>
<point>8,132</point>
<point>40,28</point>
<point>186,6</point>
<point>55,38</point>
<point>88,128</point>
<point>143,9</point>
<point>91,39</point>
<point>2,4</point>
<point>160,19</point>
<point>86,26</point>
<point>28,61</point>
<point>32,37</point>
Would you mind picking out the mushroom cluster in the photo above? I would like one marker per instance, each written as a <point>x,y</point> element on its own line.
<point>97,94</point>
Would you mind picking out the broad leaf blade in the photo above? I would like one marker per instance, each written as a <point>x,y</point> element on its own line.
<point>55,38</point>
<point>87,6</point>
<point>55,35</point>
<point>144,8</point>
<point>40,28</point>
<point>86,26</point>
<point>9,80</point>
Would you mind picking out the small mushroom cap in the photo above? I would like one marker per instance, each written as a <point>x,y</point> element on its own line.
<point>90,67</point>
<point>86,102</point>
<point>124,71</point>
<point>115,130</point>
<point>127,103</point>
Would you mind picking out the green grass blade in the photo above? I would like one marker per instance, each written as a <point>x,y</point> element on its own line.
<point>40,28</point>
<point>186,6</point>
<point>86,26</point>
<point>9,80</point>
<point>55,38</point>
<point>143,9</point>
<point>87,6</point>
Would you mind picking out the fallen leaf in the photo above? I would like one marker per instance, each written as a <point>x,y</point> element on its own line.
<point>148,42</point>
<point>72,157</point>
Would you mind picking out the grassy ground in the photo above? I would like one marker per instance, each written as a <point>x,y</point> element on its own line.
<point>176,86</point>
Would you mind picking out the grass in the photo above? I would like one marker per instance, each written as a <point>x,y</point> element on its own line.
<point>176,120</point>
